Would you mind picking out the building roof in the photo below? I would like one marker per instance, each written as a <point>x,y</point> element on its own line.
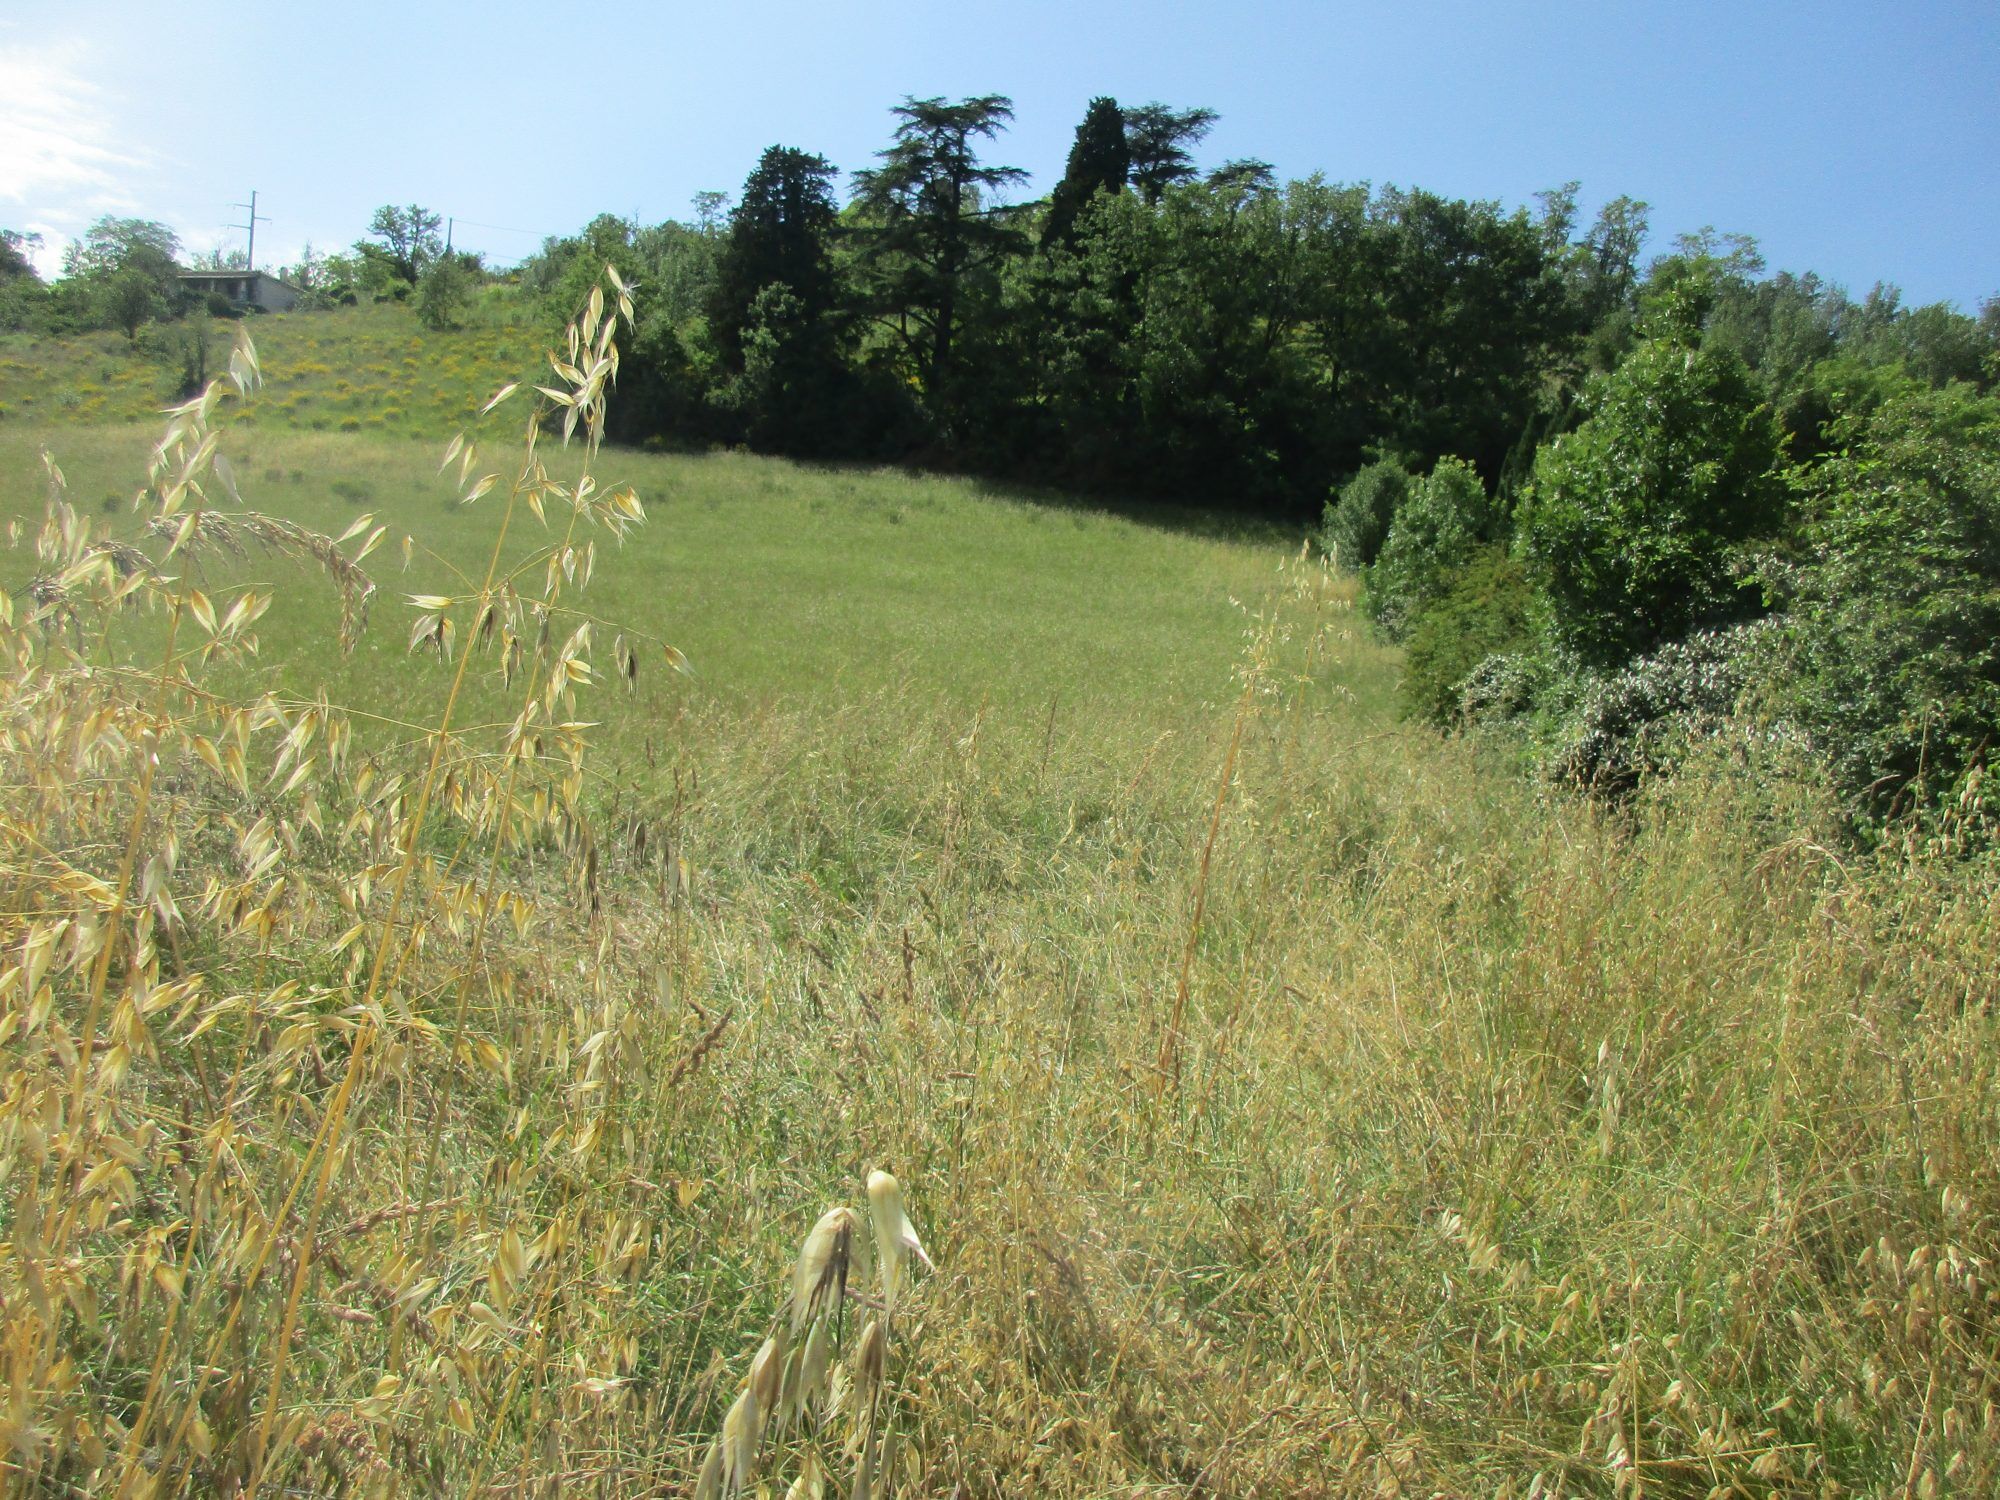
<point>208,275</point>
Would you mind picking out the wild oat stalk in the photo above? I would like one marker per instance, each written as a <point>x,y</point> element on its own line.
<point>244,954</point>
<point>815,1380</point>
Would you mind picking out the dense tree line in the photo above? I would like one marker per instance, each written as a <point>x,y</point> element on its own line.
<point>1145,329</point>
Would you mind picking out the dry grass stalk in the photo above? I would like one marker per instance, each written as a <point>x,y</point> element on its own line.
<point>813,1375</point>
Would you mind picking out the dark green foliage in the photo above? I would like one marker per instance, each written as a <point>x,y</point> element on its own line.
<point>1635,522</point>
<point>1897,624</point>
<point>376,276</point>
<point>1482,611</point>
<point>774,315</point>
<point>1940,345</point>
<point>24,299</point>
<point>14,250</point>
<point>1358,519</point>
<point>1440,525</point>
<point>1474,313</point>
<point>779,235</point>
<point>122,274</point>
<point>1099,162</point>
<point>790,392</point>
<point>1608,262</point>
<point>662,382</point>
<point>661,393</point>
<point>563,271</point>
<point>933,235</point>
<point>1161,354</point>
<point>111,245</point>
<point>1157,139</point>
<point>1845,386</point>
<point>1242,177</point>
<point>186,348</point>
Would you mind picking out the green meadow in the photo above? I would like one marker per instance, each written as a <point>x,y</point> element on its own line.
<point>1293,1101</point>
<point>781,584</point>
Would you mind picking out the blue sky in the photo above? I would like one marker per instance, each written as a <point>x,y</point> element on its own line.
<point>1858,140</point>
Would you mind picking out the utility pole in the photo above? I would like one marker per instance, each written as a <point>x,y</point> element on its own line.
<point>449,225</point>
<point>250,211</point>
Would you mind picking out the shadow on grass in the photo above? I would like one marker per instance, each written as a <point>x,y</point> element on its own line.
<point>1181,517</point>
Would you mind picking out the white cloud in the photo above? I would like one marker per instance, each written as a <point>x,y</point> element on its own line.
<point>60,160</point>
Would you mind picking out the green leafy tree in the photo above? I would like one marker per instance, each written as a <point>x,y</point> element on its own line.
<point>1158,140</point>
<point>1634,523</point>
<point>130,300</point>
<point>409,237</point>
<point>1099,162</point>
<point>125,273</point>
<point>1897,623</point>
<point>113,244</point>
<point>1603,276</point>
<point>1481,610</point>
<point>1941,344</point>
<point>1441,523</point>
<point>562,273</point>
<point>663,378</point>
<point>185,347</point>
<point>15,252</point>
<point>1212,343</point>
<point>444,292</point>
<point>1169,360</point>
<point>23,297</point>
<point>1474,317</point>
<point>1329,256</point>
<point>933,231</point>
<point>1244,177</point>
<point>711,211</point>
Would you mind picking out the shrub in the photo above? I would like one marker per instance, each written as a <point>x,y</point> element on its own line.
<point>1633,523</point>
<point>1630,723</point>
<point>1483,613</point>
<point>1358,518</point>
<point>1897,626</point>
<point>1445,518</point>
<point>443,293</point>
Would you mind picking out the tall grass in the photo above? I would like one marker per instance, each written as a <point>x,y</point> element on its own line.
<point>1296,1105</point>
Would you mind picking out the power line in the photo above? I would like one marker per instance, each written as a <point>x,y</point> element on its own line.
<point>533,234</point>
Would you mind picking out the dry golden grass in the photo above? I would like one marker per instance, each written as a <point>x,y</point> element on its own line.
<point>1295,1107</point>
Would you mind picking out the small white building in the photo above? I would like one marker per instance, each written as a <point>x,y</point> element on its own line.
<point>247,289</point>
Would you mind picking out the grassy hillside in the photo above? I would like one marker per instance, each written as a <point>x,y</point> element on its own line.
<point>780,584</point>
<point>1293,1103</point>
<point>371,369</point>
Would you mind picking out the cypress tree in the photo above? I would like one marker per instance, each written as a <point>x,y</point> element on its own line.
<point>1099,161</point>
<point>778,236</point>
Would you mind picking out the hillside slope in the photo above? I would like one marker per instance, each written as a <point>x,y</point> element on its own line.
<point>1293,1103</point>
<point>372,369</point>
